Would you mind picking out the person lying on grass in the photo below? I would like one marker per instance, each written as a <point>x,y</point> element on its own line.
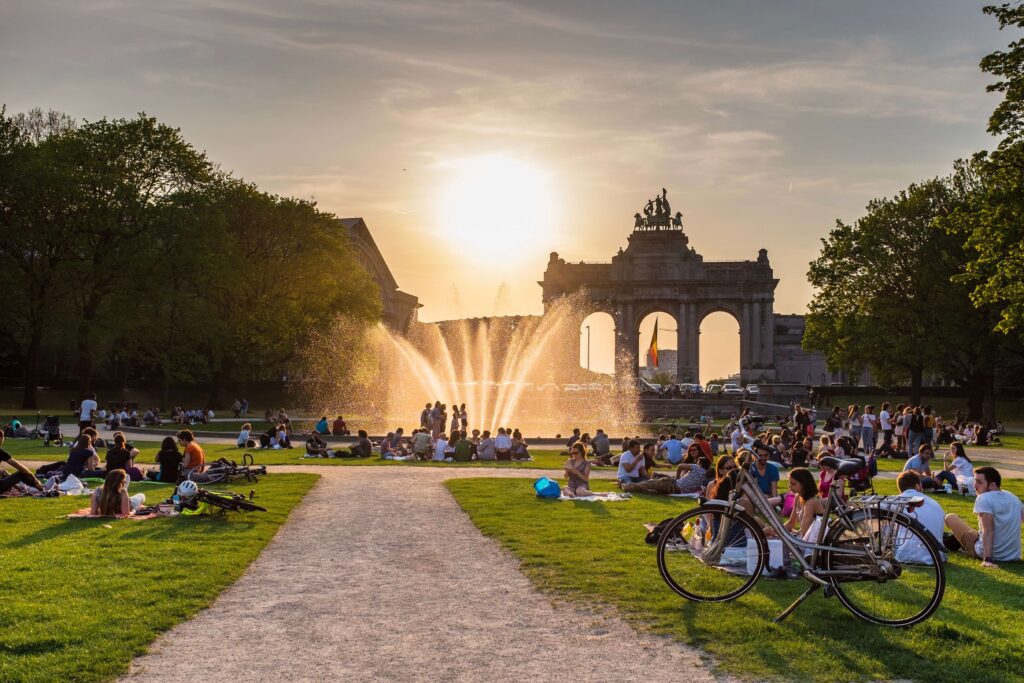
<point>999,521</point>
<point>112,498</point>
<point>690,478</point>
<point>21,475</point>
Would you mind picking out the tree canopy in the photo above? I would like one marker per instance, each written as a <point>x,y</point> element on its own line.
<point>122,245</point>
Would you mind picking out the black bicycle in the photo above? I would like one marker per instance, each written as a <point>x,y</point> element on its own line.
<point>226,501</point>
<point>224,471</point>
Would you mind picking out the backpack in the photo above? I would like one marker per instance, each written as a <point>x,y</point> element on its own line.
<point>654,534</point>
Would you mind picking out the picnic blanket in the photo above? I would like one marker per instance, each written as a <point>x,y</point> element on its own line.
<point>684,495</point>
<point>610,498</point>
<point>84,513</point>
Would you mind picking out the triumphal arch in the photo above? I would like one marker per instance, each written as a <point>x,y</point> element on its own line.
<point>659,271</point>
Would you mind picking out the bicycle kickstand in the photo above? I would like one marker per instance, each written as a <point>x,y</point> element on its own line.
<point>796,603</point>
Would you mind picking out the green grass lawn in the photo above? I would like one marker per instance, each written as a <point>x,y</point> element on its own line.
<point>595,553</point>
<point>82,598</point>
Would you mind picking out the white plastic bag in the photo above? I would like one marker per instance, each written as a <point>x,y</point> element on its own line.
<point>72,486</point>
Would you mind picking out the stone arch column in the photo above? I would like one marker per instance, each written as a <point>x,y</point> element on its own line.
<point>627,362</point>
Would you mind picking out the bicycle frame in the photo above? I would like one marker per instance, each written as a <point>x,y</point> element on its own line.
<point>795,545</point>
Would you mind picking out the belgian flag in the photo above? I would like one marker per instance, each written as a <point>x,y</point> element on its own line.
<point>652,352</point>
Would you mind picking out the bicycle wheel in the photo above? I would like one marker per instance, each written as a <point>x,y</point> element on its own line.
<point>251,507</point>
<point>898,579</point>
<point>213,476</point>
<point>702,554</point>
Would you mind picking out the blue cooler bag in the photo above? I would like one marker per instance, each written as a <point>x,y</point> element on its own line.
<point>547,488</point>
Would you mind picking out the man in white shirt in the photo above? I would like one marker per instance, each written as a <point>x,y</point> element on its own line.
<point>929,514</point>
<point>631,465</point>
<point>885,424</point>
<point>999,521</point>
<point>85,413</point>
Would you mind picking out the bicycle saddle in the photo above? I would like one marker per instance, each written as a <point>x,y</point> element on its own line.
<point>842,466</point>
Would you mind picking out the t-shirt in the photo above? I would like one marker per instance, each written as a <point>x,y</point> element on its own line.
<point>194,455</point>
<point>364,447</point>
<point>628,458</point>
<point>421,443</point>
<point>321,426</point>
<point>693,481</point>
<point>485,451</point>
<point>673,451</point>
<point>88,406</point>
<point>932,518</point>
<point>1005,510</point>
<point>170,464</point>
<point>868,421</point>
<point>503,442</point>
<point>764,481</point>
<point>463,449</point>
<point>883,418</point>
<point>118,458</point>
<point>686,442</point>
<point>963,470</point>
<point>439,449</point>
<point>76,462</point>
<point>916,463</point>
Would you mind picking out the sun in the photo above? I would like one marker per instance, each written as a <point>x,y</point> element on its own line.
<point>496,204</point>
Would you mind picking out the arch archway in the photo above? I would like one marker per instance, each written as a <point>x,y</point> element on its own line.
<point>719,346</point>
<point>597,343</point>
<point>667,357</point>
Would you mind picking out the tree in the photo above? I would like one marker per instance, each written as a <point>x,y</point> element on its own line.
<point>992,222</point>
<point>37,234</point>
<point>886,297</point>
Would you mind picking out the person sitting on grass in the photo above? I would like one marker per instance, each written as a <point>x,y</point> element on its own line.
<point>503,445</point>
<point>999,521</point>
<point>767,472</point>
<point>281,436</point>
<point>363,447</point>
<point>322,427</point>
<point>808,507</point>
<point>421,443</point>
<point>440,447</point>
<point>194,456</point>
<point>690,478</point>
<point>485,449</point>
<point>82,460</point>
<point>929,514</point>
<point>243,436</point>
<point>649,450</point>
<point>463,448</point>
<point>961,467</point>
<point>673,448</point>
<point>577,470</point>
<point>112,498</point>
<point>631,465</point>
<point>520,450</point>
<point>316,447</point>
<point>21,475</point>
<point>339,428</point>
<point>169,458</point>
<point>572,439</point>
<point>121,456</point>
<point>920,463</point>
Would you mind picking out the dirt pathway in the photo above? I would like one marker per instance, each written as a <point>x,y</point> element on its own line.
<point>365,582</point>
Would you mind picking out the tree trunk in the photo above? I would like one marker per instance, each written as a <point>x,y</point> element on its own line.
<point>84,359</point>
<point>915,386</point>
<point>165,391</point>
<point>30,376</point>
<point>988,403</point>
<point>975,398</point>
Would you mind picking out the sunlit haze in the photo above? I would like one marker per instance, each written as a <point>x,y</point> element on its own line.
<point>475,138</point>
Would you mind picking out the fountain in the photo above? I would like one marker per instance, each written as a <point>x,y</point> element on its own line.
<point>509,372</point>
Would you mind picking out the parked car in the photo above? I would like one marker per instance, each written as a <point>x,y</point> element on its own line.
<point>753,390</point>
<point>732,389</point>
<point>713,388</point>
<point>571,388</point>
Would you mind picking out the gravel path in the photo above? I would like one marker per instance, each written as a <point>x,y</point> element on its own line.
<point>366,583</point>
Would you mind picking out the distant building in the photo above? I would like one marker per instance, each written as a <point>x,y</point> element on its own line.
<point>399,308</point>
<point>667,359</point>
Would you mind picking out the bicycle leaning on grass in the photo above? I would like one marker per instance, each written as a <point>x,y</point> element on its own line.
<point>881,563</point>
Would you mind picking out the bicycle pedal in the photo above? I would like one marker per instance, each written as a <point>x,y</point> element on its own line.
<point>829,592</point>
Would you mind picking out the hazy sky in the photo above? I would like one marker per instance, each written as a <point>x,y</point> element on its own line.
<point>765,121</point>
